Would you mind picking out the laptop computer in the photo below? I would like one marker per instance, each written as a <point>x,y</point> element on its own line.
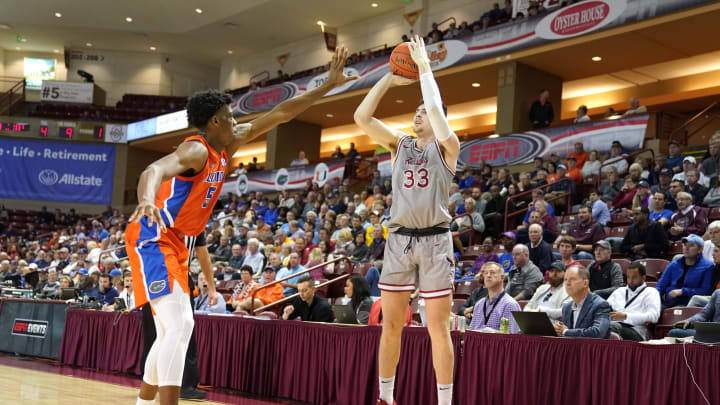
<point>707,333</point>
<point>534,323</point>
<point>344,314</point>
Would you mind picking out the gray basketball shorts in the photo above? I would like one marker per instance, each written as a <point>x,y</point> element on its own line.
<point>428,264</point>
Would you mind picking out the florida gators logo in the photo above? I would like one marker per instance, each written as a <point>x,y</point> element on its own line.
<point>157,286</point>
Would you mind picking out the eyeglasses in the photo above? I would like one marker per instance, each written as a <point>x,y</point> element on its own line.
<point>547,297</point>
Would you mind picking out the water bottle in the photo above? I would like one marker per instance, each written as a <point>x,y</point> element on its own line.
<point>504,325</point>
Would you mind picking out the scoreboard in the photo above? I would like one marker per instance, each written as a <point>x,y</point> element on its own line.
<point>52,129</point>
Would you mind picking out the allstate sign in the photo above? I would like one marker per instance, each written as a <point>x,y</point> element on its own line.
<point>54,171</point>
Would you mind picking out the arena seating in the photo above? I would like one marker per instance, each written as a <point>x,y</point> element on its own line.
<point>132,108</point>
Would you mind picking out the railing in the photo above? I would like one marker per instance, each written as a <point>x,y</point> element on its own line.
<point>7,98</point>
<point>524,193</point>
<point>440,24</point>
<point>259,77</point>
<point>107,253</point>
<point>286,299</point>
<point>691,120</point>
<point>469,230</point>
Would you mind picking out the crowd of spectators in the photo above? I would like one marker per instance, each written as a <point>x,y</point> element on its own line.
<point>258,238</point>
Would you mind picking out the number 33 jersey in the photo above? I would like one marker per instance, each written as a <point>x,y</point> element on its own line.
<point>186,203</point>
<point>420,186</point>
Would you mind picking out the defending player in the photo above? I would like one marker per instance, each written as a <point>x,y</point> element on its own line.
<point>176,196</point>
<point>419,246</point>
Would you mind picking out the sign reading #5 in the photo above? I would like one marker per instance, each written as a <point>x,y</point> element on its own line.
<point>580,18</point>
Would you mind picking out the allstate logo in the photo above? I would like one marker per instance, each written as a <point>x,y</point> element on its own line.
<point>48,177</point>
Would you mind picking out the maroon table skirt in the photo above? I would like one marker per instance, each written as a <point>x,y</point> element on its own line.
<point>315,363</point>
<point>328,364</point>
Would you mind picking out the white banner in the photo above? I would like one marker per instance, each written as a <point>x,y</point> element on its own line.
<point>291,178</point>
<point>66,92</point>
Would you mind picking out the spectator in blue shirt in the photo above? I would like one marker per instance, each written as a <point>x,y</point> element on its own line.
<point>674,160</point>
<point>104,293</point>
<point>466,180</point>
<point>537,195</point>
<point>98,232</point>
<point>658,213</point>
<point>506,259</point>
<point>271,215</point>
<point>690,274</point>
<point>600,212</point>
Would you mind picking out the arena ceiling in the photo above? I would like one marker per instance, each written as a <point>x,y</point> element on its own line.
<point>174,27</point>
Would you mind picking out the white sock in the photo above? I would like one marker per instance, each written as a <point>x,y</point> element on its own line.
<point>445,394</point>
<point>387,384</point>
<point>141,401</point>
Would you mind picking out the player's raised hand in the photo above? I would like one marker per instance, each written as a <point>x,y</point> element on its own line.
<point>337,77</point>
<point>149,210</point>
<point>418,51</point>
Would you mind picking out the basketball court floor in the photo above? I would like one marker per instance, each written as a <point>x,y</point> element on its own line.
<point>43,382</point>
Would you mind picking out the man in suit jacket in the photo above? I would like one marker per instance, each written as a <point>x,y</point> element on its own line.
<point>587,315</point>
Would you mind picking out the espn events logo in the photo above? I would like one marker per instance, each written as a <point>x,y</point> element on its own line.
<point>49,177</point>
<point>508,150</point>
<point>30,328</point>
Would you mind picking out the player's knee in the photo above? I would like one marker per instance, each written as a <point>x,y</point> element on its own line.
<point>393,327</point>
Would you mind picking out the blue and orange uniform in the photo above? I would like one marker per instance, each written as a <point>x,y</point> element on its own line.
<point>157,259</point>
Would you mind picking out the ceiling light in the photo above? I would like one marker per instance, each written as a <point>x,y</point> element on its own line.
<point>128,19</point>
<point>476,84</point>
<point>5,27</point>
<point>329,115</point>
<point>320,22</point>
<point>152,48</point>
<point>596,59</point>
<point>230,52</point>
<point>399,101</point>
<point>494,136</point>
<point>198,10</point>
<point>56,50</point>
<point>373,4</point>
<point>88,44</point>
<point>58,15</point>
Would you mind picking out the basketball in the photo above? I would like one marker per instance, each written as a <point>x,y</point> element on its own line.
<point>402,64</point>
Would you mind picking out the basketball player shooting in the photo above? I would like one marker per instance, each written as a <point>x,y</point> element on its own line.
<point>419,250</point>
<point>176,196</point>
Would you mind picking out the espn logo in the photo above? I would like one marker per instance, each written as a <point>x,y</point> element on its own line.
<point>30,328</point>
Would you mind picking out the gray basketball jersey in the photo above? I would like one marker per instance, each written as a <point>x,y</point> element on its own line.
<point>420,186</point>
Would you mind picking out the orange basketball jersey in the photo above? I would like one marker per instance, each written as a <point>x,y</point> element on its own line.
<point>187,202</point>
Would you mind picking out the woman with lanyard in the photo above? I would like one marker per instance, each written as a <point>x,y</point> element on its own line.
<point>489,311</point>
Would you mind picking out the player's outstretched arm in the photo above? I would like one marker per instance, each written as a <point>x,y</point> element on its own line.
<point>188,156</point>
<point>373,127</point>
<point>290,109</point>
<point>433,102</point>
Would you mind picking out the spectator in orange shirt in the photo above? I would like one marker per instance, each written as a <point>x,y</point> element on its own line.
<point>552,176</point>
<point>573,171</point>
<point>580,156</point>
<point>271,294</point>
